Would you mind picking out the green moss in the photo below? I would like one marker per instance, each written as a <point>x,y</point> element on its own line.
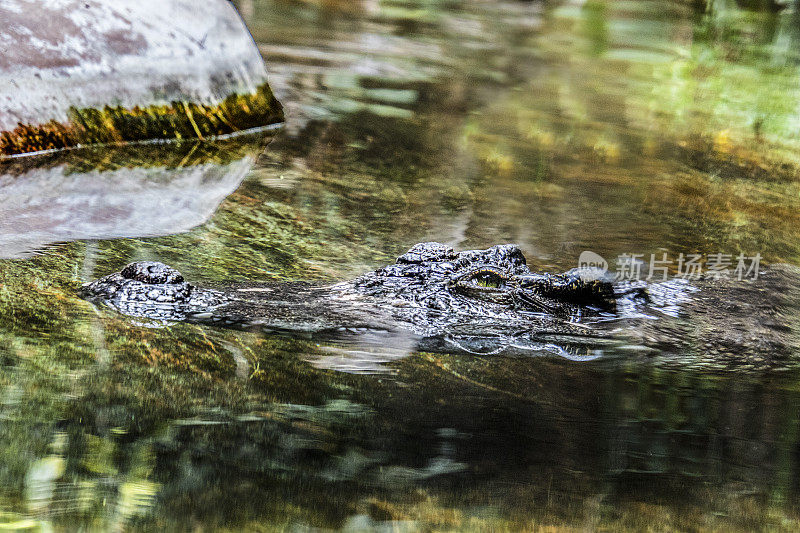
<point>176,120</point>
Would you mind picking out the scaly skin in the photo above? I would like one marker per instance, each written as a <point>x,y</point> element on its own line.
<point>486,301</point>
<point>445,300</point>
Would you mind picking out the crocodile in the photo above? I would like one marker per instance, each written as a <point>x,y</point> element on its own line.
<point>484,301</point>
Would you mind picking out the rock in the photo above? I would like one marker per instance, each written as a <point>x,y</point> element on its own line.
<point>110,71</point>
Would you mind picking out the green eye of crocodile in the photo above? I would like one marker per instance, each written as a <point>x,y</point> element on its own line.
<point>489,280</point>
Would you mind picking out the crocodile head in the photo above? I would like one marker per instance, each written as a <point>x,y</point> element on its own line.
<point>493,282</point>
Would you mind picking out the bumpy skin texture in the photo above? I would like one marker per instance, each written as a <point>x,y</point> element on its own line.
<point>152,273</point>
<point>152,290</point>
<point>432,286</point>
<point>428,286</point>
<point>435,294</point>
<point>488,301</point>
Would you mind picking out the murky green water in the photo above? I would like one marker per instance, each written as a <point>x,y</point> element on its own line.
<point>615,127</point>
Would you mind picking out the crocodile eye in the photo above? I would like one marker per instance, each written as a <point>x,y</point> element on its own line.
<point>487,279</point>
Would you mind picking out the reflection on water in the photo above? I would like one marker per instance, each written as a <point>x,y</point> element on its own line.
<point>616,127</point>
<point>138,191</point>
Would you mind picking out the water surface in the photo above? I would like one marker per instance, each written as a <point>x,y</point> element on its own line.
<point>616,127</point>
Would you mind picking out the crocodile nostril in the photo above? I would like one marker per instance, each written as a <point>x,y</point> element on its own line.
<point>151,272</point>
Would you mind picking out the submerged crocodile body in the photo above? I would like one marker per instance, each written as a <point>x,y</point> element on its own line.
<point>483,301</point>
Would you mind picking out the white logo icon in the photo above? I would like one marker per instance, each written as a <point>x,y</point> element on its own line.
<point>592,260</point>
<point>592,265</point>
